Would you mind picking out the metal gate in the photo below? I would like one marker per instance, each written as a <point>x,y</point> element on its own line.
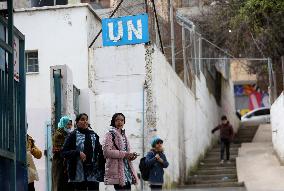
<point>13,173</point>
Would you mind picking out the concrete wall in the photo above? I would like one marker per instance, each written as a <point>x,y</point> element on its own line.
<point>277,123</point>
<point>184,120</point>
<point>170,109</point>
<point>228,103</point>
<point>118,85</point>
<point>239,72</point>
<point>61,35</point>
<point>22,3</point>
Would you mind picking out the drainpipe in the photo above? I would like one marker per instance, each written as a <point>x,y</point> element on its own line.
<point>143,128</point>
<point>143,119</point>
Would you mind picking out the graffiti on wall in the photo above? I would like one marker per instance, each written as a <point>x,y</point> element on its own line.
<point>256,97</point>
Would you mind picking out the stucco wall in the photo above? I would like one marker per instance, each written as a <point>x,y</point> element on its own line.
<point>118,85</point>
<point>228,103</point>
<point>170,107</point>
<point>277,124</point>
<point>61,39</point>
<point>183,120</point>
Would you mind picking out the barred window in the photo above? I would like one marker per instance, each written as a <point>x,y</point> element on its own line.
<point>32,62</point>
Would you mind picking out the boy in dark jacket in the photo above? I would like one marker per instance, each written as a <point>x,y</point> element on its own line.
<point>156,160</point>
<point>226,136</point>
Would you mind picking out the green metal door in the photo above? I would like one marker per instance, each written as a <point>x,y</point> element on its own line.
<point>13,170</point>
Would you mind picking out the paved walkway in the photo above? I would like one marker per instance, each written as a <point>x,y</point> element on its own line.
<point>257,165</point>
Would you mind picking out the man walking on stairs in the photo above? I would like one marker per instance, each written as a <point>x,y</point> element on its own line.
<point>226,136</point>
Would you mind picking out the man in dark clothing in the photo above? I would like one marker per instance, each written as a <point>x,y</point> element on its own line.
<point>226,136</point>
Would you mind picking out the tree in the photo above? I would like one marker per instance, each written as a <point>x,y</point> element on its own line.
<point>247,28</point>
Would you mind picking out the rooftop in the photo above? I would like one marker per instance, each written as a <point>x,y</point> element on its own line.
<point>70,6</point>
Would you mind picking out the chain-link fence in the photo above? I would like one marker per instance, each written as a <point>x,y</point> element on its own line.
<point>178,38</point>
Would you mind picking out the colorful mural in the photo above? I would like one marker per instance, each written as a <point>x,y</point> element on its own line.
<point>256,98</point>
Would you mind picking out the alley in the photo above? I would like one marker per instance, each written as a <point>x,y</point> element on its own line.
<point>141,95</point>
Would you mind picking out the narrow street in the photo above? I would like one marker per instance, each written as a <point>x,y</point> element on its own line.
<point>141,95</point>
<point>211,173</point>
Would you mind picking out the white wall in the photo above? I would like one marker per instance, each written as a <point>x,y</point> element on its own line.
<point>228,103</point>
<point>277,123</point>
<point>178,108</point>
<point>118,85</point>
<point>120,73</point>
<point>119,79</point>
<point>61,37</point>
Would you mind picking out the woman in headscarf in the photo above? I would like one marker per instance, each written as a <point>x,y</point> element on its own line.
<point>59,174</point>
<point>84,155</point>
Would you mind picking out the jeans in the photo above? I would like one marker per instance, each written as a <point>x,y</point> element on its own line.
<point>126,187</point>
<point>225,144</point>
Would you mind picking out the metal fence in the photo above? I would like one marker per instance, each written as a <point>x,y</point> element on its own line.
<point>178,39</point>
<point>13,174</point>
<point>189,53</point>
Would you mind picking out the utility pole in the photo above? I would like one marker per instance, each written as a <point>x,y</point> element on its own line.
<point>172,34</point>
<point>200,62</point>
<point>270,81</point>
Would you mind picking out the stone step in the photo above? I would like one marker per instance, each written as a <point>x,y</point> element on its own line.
<point>217,152</point>
<point>231,150</point>
<point>211,165</point>
<point>246,141</point>
<point>244,135</point>
<point>213,177</point>
<point>225,184</point>
<point>217,160</point>
<point>217,168</point>
<point>211,173</point>
<point>244,138</point>
<point>217,155</point>
<point>214,181</point>
<point>246,132</point>
<point>215,172</point>
<point>232,146</point>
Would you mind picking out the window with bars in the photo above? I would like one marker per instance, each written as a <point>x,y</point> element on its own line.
<point>32,62</point>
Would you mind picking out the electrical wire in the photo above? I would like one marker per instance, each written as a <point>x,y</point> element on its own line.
<point>99,33</point>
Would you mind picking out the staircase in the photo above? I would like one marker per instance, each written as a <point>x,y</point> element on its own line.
<point>210,173</point>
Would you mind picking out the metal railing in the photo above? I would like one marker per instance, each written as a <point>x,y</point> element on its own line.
<point>13,173</point>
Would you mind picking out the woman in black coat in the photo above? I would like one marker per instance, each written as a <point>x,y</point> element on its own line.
<point>84,155</point>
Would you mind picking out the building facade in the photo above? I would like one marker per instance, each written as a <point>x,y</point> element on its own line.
<point>57,35</point>
<point>136,80</point>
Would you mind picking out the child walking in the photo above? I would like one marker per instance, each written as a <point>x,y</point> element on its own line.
<point>226,136</point>
<point>156,161</point>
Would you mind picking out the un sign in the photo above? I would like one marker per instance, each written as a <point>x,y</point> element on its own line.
<point>125,30</point>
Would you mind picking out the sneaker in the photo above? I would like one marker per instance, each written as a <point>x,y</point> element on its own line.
<point>222,162</point>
